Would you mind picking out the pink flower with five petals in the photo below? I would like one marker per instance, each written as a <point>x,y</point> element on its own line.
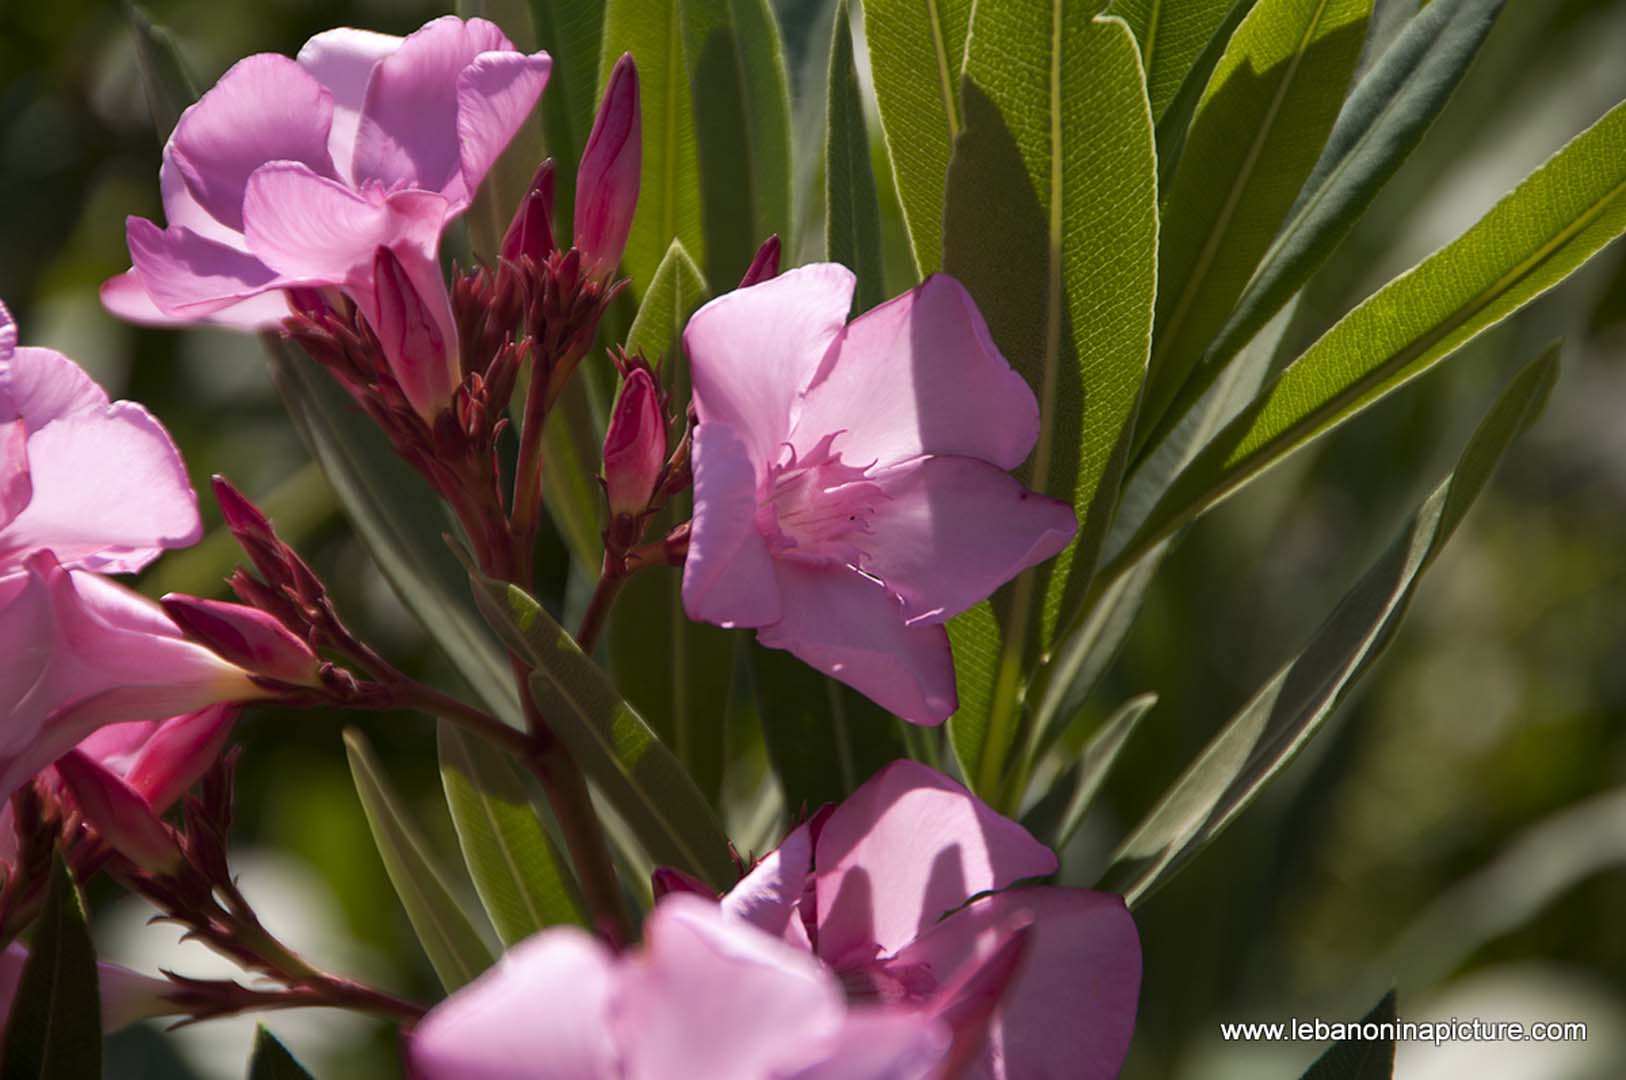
<point>294,173</point>
<point>851,483</point>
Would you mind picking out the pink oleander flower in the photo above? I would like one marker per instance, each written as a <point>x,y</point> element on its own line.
<point>881,888</point>
<point>851,485</point>
<point>98,482</point>
<point>706,995</point>
<point>298,173</point>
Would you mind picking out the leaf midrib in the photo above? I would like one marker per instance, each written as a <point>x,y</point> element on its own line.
<point>498,835</point>
<point>944,78</point>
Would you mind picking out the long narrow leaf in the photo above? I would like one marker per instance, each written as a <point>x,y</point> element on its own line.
<point>572,31</point>
<point>1360,1059</point>
<point>1256,135</point>
<point>1172,35</point>
<point>168,83</point>
<point>54,1030</point>
<point>1051,223</point>
<point>272,1061</point>
<point>455,949</point>
<point>1270,730</point>
<point>916,51</point>
<point>612,744</point>
<point>1094,765</point>
<point>523,880</point>
<point>1558,218</point>
<point>852,224</point>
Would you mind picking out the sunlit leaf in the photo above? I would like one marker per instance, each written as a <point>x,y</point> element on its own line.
<point>916,51</point>
<point>1256,134</point>
<point>1558,218</point>
<point>1172,35</point>
<point>1286,713</point>
<point>1051,223</point>
<point>521,877</point>
<point>455,949</point>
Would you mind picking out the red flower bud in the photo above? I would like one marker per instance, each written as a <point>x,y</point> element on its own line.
<point>247,637</point>
<point>635,446</point>
<point>412,316</point>
<point>765,265</point>
<point>531,231</point>
<point>119,814</point>
<point>607,181</point>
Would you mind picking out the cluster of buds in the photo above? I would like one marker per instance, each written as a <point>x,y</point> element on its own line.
<point>639,475</point>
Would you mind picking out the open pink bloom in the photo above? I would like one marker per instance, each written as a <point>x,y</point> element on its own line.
<point>706,995</point>
<point>295,173</point>
<point>78,652</point>
<point>99,483</point>
<point>851,485</point>
<point>866,887</point>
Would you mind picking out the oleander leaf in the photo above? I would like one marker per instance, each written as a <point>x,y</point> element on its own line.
<point>1172,35</point>
<point>852,224</point>
<point>1096,762</point>
<point>455,949</point>
<point>54,1030</point>
<point>916,52</point>
<point>272,1061</point>
<point>1257,132</point>
<point>1360,1059</point>
<point>519,873</point>
<point>1270,730</point>
<point>572,31</point>
<point>1554,221</point>
<point>165,77</point>
<point>1051,223</point>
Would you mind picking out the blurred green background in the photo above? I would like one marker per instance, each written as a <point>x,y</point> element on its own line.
<point>1459,832</point>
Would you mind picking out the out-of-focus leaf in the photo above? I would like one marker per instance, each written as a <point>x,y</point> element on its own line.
<point>571,448</point>
<point>852,224</point>
<point>509,177</point>
<point>669,201</point>
<point>1559,217</point>
<point>1360,1059</point>
<point>54,1031</point>
<point>1051,223</point>
<point>612,744</point>
<point>455,949</point>
<point>272,1061</point>
<point>523,880</point>
<point>675,672</point>
<point>916,51</point>
<point>1384,119</point>
<point>978,643</point>
<point>1270,730</point>
<point>1256,134</point>
<point>572,31</point>
<point>165,77</point>
<point>742,123</point>
<point>824,739</point>
<point>399,518</point>
<point>1172,34</point>
<point>1100,754</point>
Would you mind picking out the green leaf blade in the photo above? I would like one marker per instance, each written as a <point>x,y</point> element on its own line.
<point>165,77</point>
<point>916,51</point>
<point>1360,1059</point>
<point>572,31</point>
<point>1172,35</point>
<point>272,1061</point>
<point>523,880</point>
<point>852,228</point>
<point>1256,134</point>
<point>55,1026</point>
<point>1554,221</point>
<point>1095,763</point>
<point>455,949</point>
<point>1275,725</point>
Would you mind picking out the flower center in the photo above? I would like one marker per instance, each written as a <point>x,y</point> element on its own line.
<point>816,509</point>
<point>881,982</point>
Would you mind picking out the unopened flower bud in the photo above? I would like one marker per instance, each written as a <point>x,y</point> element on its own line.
<point>178,753</point>
<point>635,446</point>
<point>664,880</point>
<point>247,637</point>
<point>412,316</point>
<point>119,814</point>
<point>531,232</point>
<point>765,265</point>
<point>607,182</point>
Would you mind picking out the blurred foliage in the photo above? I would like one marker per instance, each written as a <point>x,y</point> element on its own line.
<point>1501,707</point>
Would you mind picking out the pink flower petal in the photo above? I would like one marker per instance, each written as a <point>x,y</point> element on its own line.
<point>408,130</point>
<point>342,60</point>
<point>8,334</point>
<point>177,753</point>
<point>266,108</point>
<point>752,351</point>
<point>317,231</point>
<point>16,487</point>
<point>907,846</point>
<point>42,385</point>
<point>190,277</point>
<point>540,1014</point>
<point>728,576</point>
<point>1070,1011</point>
<point>850,628</point>
<point>713,997</point>
<point>954,530</point>
<point>769,897</point>
<point>495,96</point>
<point>125,295</point>
<point>877,1044</point>
<point>920,375</point>
<point>126,996</point>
